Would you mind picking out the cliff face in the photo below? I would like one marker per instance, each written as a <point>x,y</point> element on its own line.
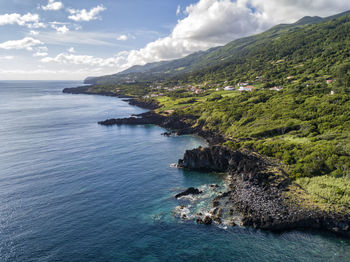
<point>257,185</point>
<point>177,124</point>
<point>221,159</point>
<point>257,188</point>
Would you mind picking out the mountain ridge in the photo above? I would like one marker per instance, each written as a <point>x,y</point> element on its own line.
<point>203,59</point>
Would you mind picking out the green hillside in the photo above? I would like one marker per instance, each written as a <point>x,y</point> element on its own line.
<point>305,125</point>
<point>217,59</point>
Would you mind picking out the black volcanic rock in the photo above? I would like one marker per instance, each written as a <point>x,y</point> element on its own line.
<point>144,103</point>
<point>207,220</point>
<point>258,194</point>
<point>189,191</point>
<point>141,119</point>
<point>221,159</point>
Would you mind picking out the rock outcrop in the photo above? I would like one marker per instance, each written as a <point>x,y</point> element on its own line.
<point>178,124</point>
<point>189,191</point>
<point>257,185</point>
<point>256,190</point>
<point>221,159</point>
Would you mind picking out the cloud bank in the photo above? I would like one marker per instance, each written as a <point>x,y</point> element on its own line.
<point>52,6</point>
<point>26,43</point>
<point>84,15</point>
<point>210,23</point>
<point>29,20</point>
<point>202,25</point>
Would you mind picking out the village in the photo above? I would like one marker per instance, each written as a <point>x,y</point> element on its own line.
<point>197,90</point>
<point>206,88</point>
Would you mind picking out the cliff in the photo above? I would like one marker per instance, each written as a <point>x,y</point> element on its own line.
<point>261,191</point>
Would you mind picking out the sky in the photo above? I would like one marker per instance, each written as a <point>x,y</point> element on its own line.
<point>71,40</point>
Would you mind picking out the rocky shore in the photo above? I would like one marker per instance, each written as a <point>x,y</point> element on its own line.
<point>177,124</point>
<point>85,90</point>
<point>257,185</point>
<point>259,189</point>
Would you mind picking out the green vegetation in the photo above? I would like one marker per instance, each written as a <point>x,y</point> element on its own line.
<point>308,132</point>
<point>306,126</point>
<point>326,189</point>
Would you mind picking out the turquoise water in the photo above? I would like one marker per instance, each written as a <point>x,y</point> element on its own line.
<point>71,190</point>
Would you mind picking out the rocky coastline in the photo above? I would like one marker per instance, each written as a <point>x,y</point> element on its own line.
<point>258,187</point>
<point>86,90</point>
<point>177,124</point>
<point>257,191</point>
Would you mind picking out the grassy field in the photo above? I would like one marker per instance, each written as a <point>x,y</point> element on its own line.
<point>327,189</point>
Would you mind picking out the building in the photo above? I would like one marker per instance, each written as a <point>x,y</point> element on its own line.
<point>229,88</point>
<point>276,88</point>
<point>242,84</point>
<point>246,88</point>
<point>330,81</point>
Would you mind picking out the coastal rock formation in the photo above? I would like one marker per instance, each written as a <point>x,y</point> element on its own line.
<point>144,103</point>
<point>206,220</point>
<point>189,191</point>
<point>221,159</point>
<point>141,119</point>
<point>266,207</point>
<point>177,124</point>
<point>257,190</point>
<point>87,90</point>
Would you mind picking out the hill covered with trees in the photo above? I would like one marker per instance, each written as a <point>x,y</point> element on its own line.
<point>303,121</point>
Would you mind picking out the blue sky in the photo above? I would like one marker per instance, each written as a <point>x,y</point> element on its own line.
<point>69,39</point>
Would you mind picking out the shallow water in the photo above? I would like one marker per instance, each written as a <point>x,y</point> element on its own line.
<point>71,190</point>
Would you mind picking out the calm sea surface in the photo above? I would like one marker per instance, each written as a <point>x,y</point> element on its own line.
<point>71,190</point>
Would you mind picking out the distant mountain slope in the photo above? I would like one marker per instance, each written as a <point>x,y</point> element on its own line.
<point>234,52</point>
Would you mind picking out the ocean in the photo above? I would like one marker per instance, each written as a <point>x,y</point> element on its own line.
<point>71,190</point>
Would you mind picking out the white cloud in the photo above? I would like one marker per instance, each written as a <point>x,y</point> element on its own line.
<point>52,6</point>
<point>204,24</point>
<point>33,32</point>
<point>26,43</point>
<point>40,54</point>
<point>66,58</point>
<point>84,15</point>
<point>122,38</point>
<point>288,11</point>
<point>41,51</point>
<point>80,37</point>
<point>71,50</point>
<point>178,10</point>
<point>210,23</point>
<point>29,20</point>
<point>60,29</point>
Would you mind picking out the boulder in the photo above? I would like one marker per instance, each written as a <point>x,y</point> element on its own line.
<point>189,191</point>
<point>205,221</point>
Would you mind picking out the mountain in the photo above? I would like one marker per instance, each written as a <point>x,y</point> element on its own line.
<point>280,42</point>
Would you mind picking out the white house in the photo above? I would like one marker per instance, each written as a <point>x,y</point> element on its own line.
<point>229,88</point>
<point>246,88</point>
<point>276,88</point>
